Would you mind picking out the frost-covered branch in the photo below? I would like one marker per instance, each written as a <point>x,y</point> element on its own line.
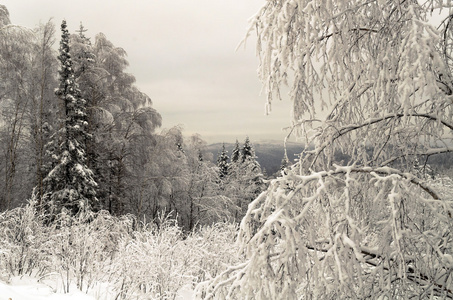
<point>365,230</point>
<point>427,153</point>
<point>352,127</point>
<point>369,170</point>
<point>326,235</point>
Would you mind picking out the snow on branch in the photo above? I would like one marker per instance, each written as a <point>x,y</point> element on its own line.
<point>349,232</point>
<point>363,230</point>
<point>339,132</point>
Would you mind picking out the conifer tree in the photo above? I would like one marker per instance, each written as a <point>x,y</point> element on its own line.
<point>236,154</point>
<point>222,162</point>
<point>200,156</point>
<point>87,73</point>
<point>285,162</point>
<point>70,184</point>
<point>250,171</point>
<point>247,150</point>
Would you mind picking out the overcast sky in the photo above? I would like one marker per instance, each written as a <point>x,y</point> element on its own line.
<point>182,53</point>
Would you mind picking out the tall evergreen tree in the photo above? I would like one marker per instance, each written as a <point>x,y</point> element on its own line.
<point>70,184</point>
<point>222,162</point>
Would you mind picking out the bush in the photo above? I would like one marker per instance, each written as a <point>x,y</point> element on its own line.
<point>135,260</point>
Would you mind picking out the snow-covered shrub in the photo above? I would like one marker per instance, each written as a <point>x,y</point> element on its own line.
<point>158,261</point>
<point>134,260</point>
<point>83,248</point>
<point>21,239</point>
<point>144,261</point>
<point>215,249</point>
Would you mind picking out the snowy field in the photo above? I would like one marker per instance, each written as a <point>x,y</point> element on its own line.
<point>27,288</point>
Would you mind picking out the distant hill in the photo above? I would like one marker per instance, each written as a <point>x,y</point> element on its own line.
<point>269,153</point>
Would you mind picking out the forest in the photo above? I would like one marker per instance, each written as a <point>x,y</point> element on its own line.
<point>128,167</point>
<point>94,198</point>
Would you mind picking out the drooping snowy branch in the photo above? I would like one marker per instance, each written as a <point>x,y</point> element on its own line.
<point>356,232</point>
<point>371,228</point>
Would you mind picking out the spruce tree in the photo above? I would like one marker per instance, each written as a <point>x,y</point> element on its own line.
<point>285,163</point>
<point>200,156</point>
<point>70,184</point>
<point>222,163</point>
<point>247,150</point>
<point>236,154</point>
<point>251,170</point>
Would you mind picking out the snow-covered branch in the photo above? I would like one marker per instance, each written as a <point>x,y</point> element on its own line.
<point>339,132</point>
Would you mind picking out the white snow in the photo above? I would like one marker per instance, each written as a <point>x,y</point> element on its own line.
<point>28,288</point>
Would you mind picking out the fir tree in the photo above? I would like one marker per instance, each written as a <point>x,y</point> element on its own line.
<point>222,163</point>
<point>285,163</point>
<point>247,150</point>
<point>236,154</point>
<point>70,185</point>
<point>200,156</point>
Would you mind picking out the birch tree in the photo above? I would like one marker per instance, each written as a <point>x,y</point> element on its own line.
<point>44,106</point>
<point>16,44</point>
<point>371,80</point>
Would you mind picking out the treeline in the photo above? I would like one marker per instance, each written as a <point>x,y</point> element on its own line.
<point>108,127</point>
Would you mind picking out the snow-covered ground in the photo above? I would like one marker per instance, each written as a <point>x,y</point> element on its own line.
<point>28,288</point>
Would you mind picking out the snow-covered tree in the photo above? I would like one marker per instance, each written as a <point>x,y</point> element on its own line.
<point>236,153</point>
<point>127,122</point>
<point>44,106</point>
<point>84,58</point>
<point>379,73</point>
<point>17,90</point>
<point>285,163</point>
<point>247,150</point>
<point>70,184</point>
<point>120,117</point>
<point>245,178</point>
<point>248,157</point>
<point>222,162</point>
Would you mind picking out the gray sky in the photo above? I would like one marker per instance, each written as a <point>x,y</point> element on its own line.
<point>182,53</point>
